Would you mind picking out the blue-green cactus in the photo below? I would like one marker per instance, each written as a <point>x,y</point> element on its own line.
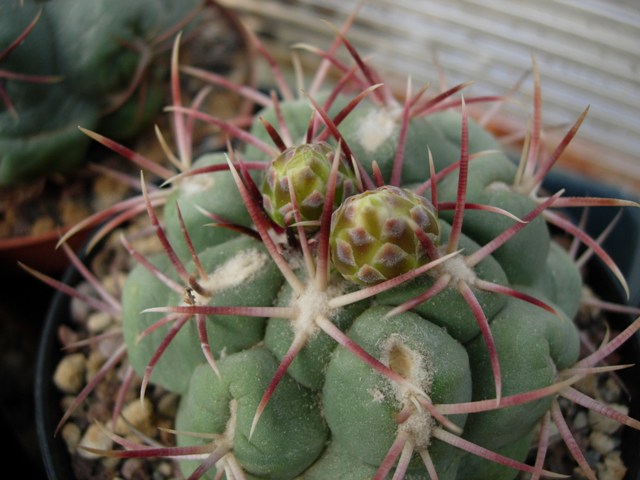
<point>236,270</point>
<point>293,361</point>
<point>91,71</point>
<point>410,360</point>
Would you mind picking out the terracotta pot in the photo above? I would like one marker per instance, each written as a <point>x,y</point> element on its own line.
<point>38,252</point>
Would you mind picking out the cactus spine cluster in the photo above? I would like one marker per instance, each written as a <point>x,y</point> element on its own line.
<point>381,299</point>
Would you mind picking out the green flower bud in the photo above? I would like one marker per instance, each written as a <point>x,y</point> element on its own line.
<point>373,234</point>
<point>308,166</point>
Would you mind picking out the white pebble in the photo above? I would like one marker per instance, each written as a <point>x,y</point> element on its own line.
<point>71,435</point>
<point>94,363</point>
<point>612,468</point>
<point>110,344</point>
<point>167,404</point>
<point>79,309</point>
<point>94,437</point>
<point>139,415</point>
<point>165,469</point>
<point>581,421</point>
<point>99,321</point>
<point>69,374</point>
<point>601,442</point>
<point>611,390</point>
<point>604,424</point>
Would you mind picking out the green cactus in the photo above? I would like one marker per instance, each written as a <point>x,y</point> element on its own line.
<point>215,195</point>
<point>226,406</point>
<point>91,70</point>
<point>418,351</point>
<point>423,323</point>
<point>372,132</point>
<point>306,168</point>
<point>523,258</point>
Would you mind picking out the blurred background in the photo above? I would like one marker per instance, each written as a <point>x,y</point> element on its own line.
<point>587,51</point>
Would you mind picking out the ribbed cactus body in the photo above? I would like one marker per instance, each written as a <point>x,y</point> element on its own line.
<point>449,122</point>
<point>334,414</point>
<point>373,133</point>
<point>197,195</point>
<point>42,134</point>
<point>336,462</point>
<point>297,115</point>
<point>310,364</point>
<point>240,273</point>
<point>448,309</point>
<point>362,417</point>
<point>113,24</point>
<point>560,282</point>
<point>226,406</point>
<point>523,257</point>
<point>532,346</point>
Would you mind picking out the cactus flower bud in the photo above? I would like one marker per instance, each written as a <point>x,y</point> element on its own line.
<point>308,166</point>
<point>373,234</point>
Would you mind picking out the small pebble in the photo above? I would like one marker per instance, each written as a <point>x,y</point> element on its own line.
<point>107,191</point>
<point>94,363</point>
<point>132,469</point>
<point>69,374</point>
<point>601,442</point>
<point>67,335</point>
<point>111,343</point>
<point>604,424</point>
<point>98,322</point>
<point>72,211</point>
<point>42,225</point>
<point>79,309</point>
<point>114,283</point>
<point>94,437</point>
<point>165,469</point>
<point>610,392</point>
<point>167,404</point>
<point>139,415</point>
<point>611,468</point>
<point>110,464</point>
<point>71,435</point>
<point>580,421</point>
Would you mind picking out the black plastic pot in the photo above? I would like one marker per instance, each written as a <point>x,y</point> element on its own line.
<point>622,245</point>
<point>56,458</point>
